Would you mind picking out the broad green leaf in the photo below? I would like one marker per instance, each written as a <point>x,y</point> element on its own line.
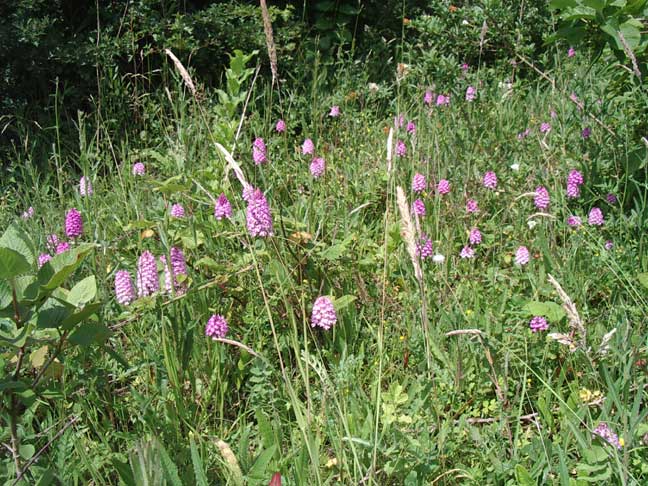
<point>550,310</point>
<point>12,263</point>
<point>90,333</point>
<point>53,313</point>
<point>12,336</point>
<point>83,292</point>
<point>16,239</point>
<point>80,316</point>
<point>59,268</point>
<point>27,288</point>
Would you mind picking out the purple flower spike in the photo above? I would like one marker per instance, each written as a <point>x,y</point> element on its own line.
<point>280,127</point>
<point>259,151</point>
<point>467,252</point>
<point>73,223</point>
<point>424,248</point>
<point>401,149</point>
<point>443,187</point>
<point>418,183</point>
<point>124,291</point>
<point>574,221</point>
<point>139,169</point>
<point>216,327</point>
<point>419,207</point>
<point>177,211</point>
<point>475,237</point>
<point>603,431</point>
<point>259,219</point>
<point>43,258</point>
<point>595,217</point>
<point>490,180</point>
<point>522,256</point>
<point>147,275</point>
<point>223,208</point>
<point>308,147</point>
<point>62,247</point>
<point>471,206</point>
<point>85,186</point>
<point>323,314</point>
<point>317,167</point>
<point>541,199</point>
<point>538,323</point>
<point>573,191</point>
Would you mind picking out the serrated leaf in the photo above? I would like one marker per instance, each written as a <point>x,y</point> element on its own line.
<point>199,469</point>
<point>169,467</point>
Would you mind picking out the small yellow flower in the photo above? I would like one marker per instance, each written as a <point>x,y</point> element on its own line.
<point>469,312</point>
<point>621,441</point>
<point>332,462</point>
<point>402,338</point>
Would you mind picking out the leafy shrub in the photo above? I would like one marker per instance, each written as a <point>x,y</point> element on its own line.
<point>478,32</point>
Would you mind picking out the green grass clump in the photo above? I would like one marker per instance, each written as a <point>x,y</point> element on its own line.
<point>425,378</point>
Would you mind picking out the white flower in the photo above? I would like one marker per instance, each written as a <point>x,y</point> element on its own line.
<point>438,258</point>
<point>532,223</point>
<point>515,167</point>
<point>465,22</point>
<point>373,87</point>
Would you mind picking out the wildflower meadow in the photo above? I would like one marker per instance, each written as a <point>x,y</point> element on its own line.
<point>418,262</point>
